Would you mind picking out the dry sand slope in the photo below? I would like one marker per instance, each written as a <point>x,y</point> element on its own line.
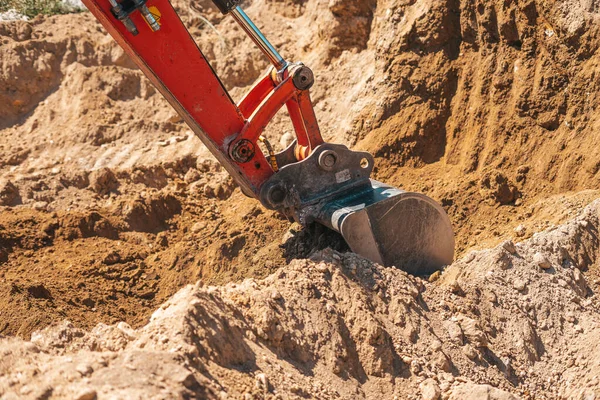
<point>109,205</point>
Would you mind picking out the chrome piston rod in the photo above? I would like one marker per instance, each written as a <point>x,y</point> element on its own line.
<point>261,41</point>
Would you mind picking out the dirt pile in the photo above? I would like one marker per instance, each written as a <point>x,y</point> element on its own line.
<point>109,205</point>
<point>466,90</point>
<point>449,96</point>
<point>522,318</point>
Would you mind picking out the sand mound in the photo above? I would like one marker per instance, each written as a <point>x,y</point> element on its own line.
<point>521,317</point>
<point>109,205</point>
<point>488,109</point>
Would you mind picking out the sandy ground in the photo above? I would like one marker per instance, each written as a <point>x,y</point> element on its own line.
<point>109,205</point>
<point>516,321</point>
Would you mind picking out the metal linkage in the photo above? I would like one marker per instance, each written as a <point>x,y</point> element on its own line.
<point>123,16</point>
<point>141,5</point>
<point>329,170</point>
<point>124,9</point>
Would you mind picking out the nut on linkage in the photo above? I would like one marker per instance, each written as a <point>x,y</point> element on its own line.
<point>327,160</point>
<point>303,77</point>
<point>242,151</point>
<point>122,15</point>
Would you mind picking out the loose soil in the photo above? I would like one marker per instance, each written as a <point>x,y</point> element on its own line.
<point>516,321</point>
<point>109,204</point>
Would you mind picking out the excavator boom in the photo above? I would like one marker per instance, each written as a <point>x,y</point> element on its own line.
<point>311,180</point>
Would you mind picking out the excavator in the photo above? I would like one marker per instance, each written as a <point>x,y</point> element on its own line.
<point>311,181</point>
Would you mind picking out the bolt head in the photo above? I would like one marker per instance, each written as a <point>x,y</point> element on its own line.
<point>327,160</point>
<point>303,78</point>
<point>242,151</point>
<point>276,195</point>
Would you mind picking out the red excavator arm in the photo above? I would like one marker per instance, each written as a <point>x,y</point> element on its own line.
<point>172,61</point>
<point>310,181</point>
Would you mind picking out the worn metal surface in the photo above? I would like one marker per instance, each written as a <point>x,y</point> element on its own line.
<point>392,227</point>
<point>332,186</point>
<point>309,182</point>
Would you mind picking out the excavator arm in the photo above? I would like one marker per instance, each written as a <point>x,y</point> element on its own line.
<point>170,58</point>
<point>310,181</point>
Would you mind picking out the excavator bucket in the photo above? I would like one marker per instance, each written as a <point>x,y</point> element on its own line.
<point>393,227</point>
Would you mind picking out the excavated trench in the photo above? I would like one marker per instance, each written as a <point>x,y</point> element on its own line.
<point>109,206</point>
